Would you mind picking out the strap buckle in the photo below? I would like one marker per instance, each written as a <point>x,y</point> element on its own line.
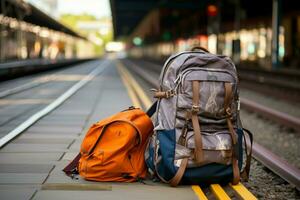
<point>228,112</point>
<point>195,109</point>
<point>170,93</point>
<point>163,94</point>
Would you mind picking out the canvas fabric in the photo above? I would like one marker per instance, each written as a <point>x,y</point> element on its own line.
<point>216,114</point>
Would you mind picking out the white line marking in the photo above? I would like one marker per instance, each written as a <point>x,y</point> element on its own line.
<point>36,82</point>
<point>53,105</point>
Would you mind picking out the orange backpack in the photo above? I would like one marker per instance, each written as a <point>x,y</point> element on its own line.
<point>113,149</point>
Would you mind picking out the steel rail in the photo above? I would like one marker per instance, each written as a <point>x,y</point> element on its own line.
<point>35,82</point>
<point>277,93</point>
<point>284,84</point>
<point>276,164</point>
<point>274,115</point>
<point>34,118</point>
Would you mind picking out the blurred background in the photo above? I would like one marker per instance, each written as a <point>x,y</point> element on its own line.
<point>257,33</point>
<point>47,46</point>
<point>54,28</point>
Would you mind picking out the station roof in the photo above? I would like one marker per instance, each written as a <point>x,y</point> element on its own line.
<point>31,14</point>
<point>126,14</point>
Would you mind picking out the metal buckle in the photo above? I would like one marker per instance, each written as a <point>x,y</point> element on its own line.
<point>228,112</point>
<point>170,93</point>
<point>195,108</point>
<point>153,90</point>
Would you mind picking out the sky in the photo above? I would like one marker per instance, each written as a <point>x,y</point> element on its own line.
<point>97,8</point>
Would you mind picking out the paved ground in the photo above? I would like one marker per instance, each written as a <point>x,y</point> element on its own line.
<point>30,166</point>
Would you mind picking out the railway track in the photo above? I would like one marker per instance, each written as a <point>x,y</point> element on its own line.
<point>41,111</point>
<point>35,80</point>
<point>284,86</point>
<point>281,84</point>
<point>275,163</point>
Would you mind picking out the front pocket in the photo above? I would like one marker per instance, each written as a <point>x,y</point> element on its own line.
<point>217,148</point>
<point>109,160</point>
<point>211,100</point>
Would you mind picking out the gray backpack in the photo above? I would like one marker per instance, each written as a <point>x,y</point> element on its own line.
<point>198,135</point>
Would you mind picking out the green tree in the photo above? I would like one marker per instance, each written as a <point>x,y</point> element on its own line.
<point>71,21</point>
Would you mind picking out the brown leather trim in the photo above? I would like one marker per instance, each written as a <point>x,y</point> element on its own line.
<point>198,153</point>
<point>179,174</point>
<point>227,109</point>
<point>159,94</point>
<point>182,138</point>
<point>71,168</point>
<point>248,147</point>
<point>163,94</point>
<point>236,171</point>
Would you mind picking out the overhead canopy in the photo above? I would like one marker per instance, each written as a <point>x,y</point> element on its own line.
<point>127,14</point>
<point>29,13</point>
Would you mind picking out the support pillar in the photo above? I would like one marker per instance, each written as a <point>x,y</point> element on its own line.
<point>276,16</point>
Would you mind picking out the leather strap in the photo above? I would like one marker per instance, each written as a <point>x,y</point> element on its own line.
<point>198,153</point>
<point>179,174</point>
<point>71,168</point>
<point>152,109</point>
<point>246,171</point>
<point>164,94</point>
<point>227,109</point>
<point>197,48</point>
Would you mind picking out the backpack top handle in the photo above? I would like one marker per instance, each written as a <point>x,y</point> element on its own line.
<point>197,48</point>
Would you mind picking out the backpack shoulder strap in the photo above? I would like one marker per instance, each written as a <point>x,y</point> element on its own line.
<point>248,148</point>
<point>179,174</point>
<point>71,168</point>
<point>198,153</point>
<point>152,109</point>
<point>227,110</point>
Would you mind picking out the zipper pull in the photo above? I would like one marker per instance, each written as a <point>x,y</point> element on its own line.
<point>177,82</point>
<point>129,108</point>
<point>178,79</point>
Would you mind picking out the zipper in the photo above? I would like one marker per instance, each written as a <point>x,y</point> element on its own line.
<point>184,73</point>
<point>207,134</point>
<point>104,128</point>
<point>129,108</point>
<point>169,61</point>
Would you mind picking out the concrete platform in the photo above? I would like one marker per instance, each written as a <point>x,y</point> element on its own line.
<point>35,159</point>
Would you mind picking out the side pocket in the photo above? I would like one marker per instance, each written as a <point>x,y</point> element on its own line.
<point>240,134</point>
<point>166,153</point>
<point>149,155</point>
